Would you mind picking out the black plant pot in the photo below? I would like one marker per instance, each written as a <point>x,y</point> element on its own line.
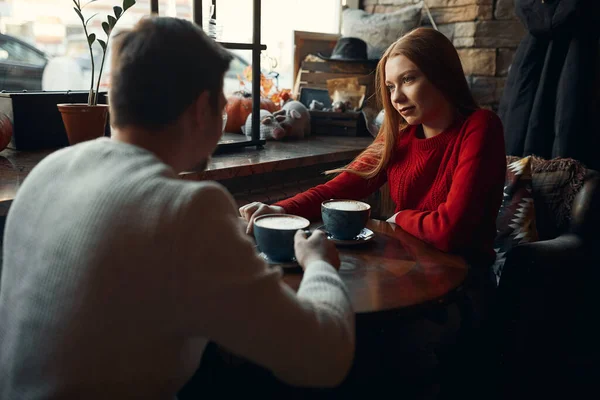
<point>36,121</point>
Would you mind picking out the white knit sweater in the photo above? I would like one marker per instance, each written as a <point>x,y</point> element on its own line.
<point>116,274</point>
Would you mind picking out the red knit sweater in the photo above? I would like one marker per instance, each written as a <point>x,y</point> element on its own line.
<point>448,188</point>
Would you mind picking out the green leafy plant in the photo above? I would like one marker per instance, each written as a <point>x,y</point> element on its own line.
<point>107,27</point>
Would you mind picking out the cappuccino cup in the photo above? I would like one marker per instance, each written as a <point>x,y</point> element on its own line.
<point>344,219</point>
<point>274,234</point>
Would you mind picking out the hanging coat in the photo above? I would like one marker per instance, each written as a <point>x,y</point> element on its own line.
<point>552,87</point>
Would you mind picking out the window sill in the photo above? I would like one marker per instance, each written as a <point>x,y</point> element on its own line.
<point>274,158</point>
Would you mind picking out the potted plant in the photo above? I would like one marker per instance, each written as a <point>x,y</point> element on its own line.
<point>5,131</point>
<point>88,121</point>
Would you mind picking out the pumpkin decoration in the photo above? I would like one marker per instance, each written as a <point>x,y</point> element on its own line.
<point>6,130</point>
<point>239,106</point>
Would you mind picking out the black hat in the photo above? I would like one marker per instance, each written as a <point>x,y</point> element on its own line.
<point>349,49</point>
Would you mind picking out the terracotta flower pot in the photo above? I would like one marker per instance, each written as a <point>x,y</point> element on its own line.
<point>6,131</point>
<point>83,122</point>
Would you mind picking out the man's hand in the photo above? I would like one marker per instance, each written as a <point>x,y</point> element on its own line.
<point>316,248</point>
<point>250,211</point>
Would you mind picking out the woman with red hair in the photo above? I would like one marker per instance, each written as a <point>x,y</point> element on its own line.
<point>442,155</point>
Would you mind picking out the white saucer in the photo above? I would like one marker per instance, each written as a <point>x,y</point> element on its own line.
<point>366,235</point>
<point>288,264</point>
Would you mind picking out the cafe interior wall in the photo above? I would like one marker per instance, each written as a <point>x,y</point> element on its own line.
<point>486,34</point>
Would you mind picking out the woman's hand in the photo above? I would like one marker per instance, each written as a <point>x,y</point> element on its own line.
<point>250,211</point>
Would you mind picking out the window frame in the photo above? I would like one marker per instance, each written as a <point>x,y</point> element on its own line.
<point>256,48</point>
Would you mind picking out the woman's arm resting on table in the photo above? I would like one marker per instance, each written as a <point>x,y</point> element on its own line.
<point>344,186</point>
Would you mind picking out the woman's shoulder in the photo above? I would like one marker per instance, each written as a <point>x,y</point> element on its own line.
<point>483,126</point>
<point>483,118</point>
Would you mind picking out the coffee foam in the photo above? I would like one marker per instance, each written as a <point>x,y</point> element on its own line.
<point>347,205</point>
<point>282,222</point>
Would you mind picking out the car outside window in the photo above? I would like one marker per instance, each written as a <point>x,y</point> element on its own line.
<point>16,52</point>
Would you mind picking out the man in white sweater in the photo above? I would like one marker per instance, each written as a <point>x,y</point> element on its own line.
<point>116,273</point>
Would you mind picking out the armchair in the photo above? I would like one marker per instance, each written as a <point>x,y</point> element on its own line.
<point>544,337</point>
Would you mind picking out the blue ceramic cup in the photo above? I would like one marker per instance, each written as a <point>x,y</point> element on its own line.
<point>344,219</point>
<point>274,234</point>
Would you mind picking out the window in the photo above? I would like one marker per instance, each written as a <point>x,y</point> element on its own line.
<point>176,8</point>
<point>44,46</point>
<point>61,58</point>
<point>279,18</point>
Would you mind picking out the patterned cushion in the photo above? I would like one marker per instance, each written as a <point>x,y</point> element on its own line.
<point>556,182</point>
<point>516,220</point>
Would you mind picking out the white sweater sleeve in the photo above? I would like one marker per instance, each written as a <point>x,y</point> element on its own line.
<point>392,219</point>
<point>226,293</point>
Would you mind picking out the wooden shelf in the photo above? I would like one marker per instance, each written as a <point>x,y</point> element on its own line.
<point>314,74</point>
<point>246,161</point>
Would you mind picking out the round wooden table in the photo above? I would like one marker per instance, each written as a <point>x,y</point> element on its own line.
<point>393,275</point>
<point>395,272</point>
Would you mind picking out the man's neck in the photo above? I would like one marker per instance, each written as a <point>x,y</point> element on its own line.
<point>163,144</point>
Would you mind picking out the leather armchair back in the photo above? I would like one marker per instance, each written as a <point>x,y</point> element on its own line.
<point>585,220</point>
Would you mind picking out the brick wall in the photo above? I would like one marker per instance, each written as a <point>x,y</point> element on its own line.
<point>486,34</point>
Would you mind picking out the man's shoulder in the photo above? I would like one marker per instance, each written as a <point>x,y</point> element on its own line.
<point>97,173</point>
<point>95,154</point>
<point>208,197</point>
<point>103,159</point>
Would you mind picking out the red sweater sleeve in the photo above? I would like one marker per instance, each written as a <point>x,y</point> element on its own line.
<point>480,171</point>
<point>344,186</point>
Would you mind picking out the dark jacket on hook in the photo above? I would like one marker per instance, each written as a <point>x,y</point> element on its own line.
<point>550,103</point>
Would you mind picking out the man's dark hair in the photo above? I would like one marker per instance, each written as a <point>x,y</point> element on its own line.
<point>159,68</point>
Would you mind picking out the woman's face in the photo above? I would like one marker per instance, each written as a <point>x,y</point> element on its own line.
<point>412,94</point>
